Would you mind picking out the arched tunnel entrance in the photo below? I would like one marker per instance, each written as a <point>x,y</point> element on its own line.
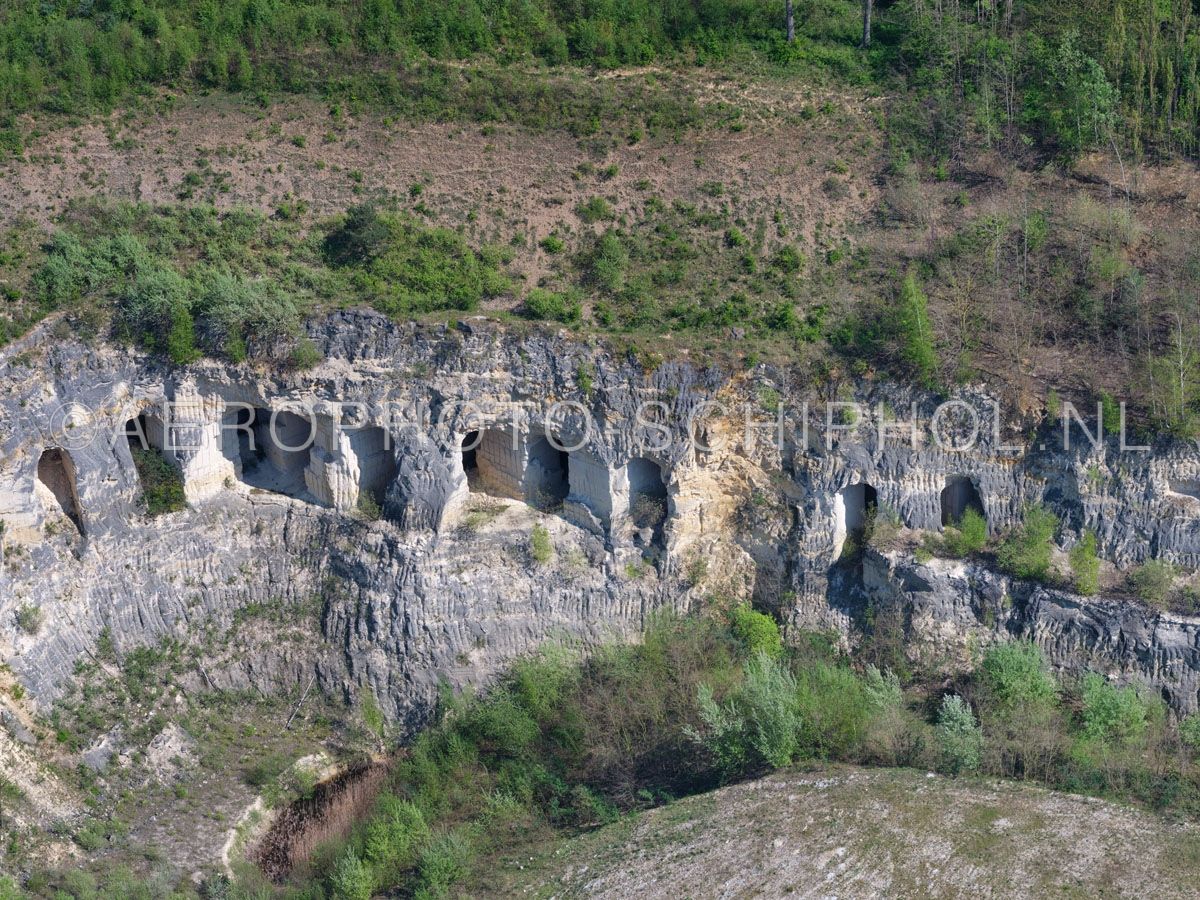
<point>958,496</point>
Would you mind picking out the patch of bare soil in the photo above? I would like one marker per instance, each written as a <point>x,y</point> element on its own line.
<point>501,183</point>
<point>847,832</point>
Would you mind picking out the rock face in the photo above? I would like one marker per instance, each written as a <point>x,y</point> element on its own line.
<point>381,506</point>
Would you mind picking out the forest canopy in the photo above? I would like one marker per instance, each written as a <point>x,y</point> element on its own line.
<point>1073,74</point>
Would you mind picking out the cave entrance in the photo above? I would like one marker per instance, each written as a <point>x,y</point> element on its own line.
<point>57,485</point>
<point>157,467</point>
<point>958,496</point>
<point>647,495</point>
<point>860,502</point>
<point>853,509</point>
<point>274,459</point>
<point>146,432</point>
<point>377,468</point>
<point>548,478</point>
<point>491,463</point>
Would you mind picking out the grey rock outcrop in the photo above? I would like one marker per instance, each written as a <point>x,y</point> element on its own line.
<point>442,585</point>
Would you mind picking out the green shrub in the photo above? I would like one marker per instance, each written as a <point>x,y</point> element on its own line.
<point>834,710</point>
<point>1025,552</point>
<point>393,837</point>
<point>552,244</point>
<point>760,722</point>
<point>914,332</point>
<point>162,482</point>
<point>595,209</point>
<point>362,235</point>
<point>757,631</point>
<point>445,860</point>
<point>1112,715</point>
<point>1085,565</point>
<point>556,306</point>
<point>968,536</point>
<point>304,355</point>
<point>368,506</point>
<point>29,618</point>
<point>607,264</point>
<point>882,689</point>
<point>787,259</point>
<point>959,735</point>
<point>1189,732</point>
<point>423,269</point>
<point>541,547</point>
<point>883,528</point>
<point>1153,581</point>
<point>351,878</point>
<point>1015,676</point>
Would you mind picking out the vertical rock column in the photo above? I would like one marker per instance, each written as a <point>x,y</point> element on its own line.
<point>332,474</point>
<point>196,434</point>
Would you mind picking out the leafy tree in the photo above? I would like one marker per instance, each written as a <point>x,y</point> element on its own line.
<point>557,306</point>
<point>1015,676</point>
<point>760,722</point>
<point>1085,565</point>
<point>1025,551</point>
<point>914,331</point>
<point>1189,731</point>
<point>1153,581</point>
<point>959,735</point>
<point>1073,99</point>
<point>394,836</point>
<point>351,878</point>
<point>757,631</point>
<point>1112,715</point>
<point>968,536</point>
<point>361,237</point>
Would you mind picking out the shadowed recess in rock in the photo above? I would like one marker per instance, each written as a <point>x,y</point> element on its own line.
<point>376,456</point>
<point>647,494</point>
<point>57,485</point>
<point>958,496</point>
<point>547,480</point>
<point>273,449</point>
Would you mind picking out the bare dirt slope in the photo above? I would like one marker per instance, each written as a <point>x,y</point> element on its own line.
<point>506,179</point>
<point>850,832</point>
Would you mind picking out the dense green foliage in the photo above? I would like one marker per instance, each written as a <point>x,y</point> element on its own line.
<point>1153,582</point>
<point>1085,565</point>
<point>1025,552</point>
<point>967,536</point>
<point>74,59</point>
<point>186,280</point>
<point>1077,75</point>
<point>960,738</point>
<point>565,742</point>
<point>162,483</point>
<point>758,632</point>
<point>562,744</point>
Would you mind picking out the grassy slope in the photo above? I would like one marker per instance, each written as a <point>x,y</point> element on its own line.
<point>855,832</point>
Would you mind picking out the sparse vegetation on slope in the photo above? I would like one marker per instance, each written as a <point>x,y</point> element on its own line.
<point>561,745</point>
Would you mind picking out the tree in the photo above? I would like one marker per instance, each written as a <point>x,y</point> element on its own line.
<point>791,21</point>
<point>916,342</point>
<point>868,6</point>
<point>959,735</point>
<point>361,237</point>
<point>1085,565</point>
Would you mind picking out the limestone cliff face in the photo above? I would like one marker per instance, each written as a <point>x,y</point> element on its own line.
<point>674,486</point>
